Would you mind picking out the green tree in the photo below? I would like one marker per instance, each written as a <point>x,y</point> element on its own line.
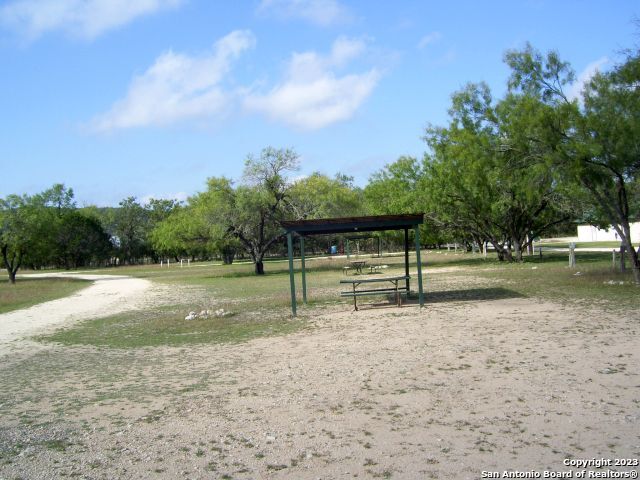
<point>130,228</point>
<point>598,156</point>
<point>194,230</point>
<point>260,202</point>
<point>225,219</point>
<point>396,188</point>
<point>319,196</point>
<point>15,233</point>
<point>160,208</point>
<point>80,241</point>
<point>487,175</point>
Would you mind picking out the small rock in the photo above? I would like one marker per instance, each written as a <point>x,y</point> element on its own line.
<point>608,371</point>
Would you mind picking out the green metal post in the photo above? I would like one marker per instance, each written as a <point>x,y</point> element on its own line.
<point>304,280</point>
<point>406,257</point>
<point>416,229</point>
<point>291,278</point>
<point>348,255</point>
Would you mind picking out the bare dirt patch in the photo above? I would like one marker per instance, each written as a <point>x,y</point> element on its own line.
<point>448,391</point>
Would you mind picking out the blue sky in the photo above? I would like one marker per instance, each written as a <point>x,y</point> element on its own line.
<point>149,98</point>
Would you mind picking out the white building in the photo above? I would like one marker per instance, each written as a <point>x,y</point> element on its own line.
<point>589,233</point>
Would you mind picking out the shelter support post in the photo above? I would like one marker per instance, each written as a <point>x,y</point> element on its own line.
<point>406,257</point>
<point>419,264</point>
<point>348,253</point>
<point>291,277</point>
<point>304,279</point>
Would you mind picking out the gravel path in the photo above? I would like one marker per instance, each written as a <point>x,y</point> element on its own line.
<point>109,294</point>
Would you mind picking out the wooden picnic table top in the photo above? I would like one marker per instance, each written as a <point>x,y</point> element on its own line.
<point>376,279</point>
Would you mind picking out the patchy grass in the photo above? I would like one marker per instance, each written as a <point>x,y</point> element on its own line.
<point>593,280</point>
<point>156,328</point>
<point>27,292</point>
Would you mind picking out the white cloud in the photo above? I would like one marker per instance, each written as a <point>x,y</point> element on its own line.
<point>312,96</point>
<point>575,91</point>
<point>178,87</point>
<point>319,12</point>
<point>429,39</point>
<point>82,18</point>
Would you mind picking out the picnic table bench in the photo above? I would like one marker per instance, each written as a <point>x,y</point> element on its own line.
<point>393,288</point>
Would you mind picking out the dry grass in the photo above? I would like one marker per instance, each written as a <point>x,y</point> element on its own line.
<point>31,291</point>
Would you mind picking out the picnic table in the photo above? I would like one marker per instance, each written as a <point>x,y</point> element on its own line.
<point>393,288</point>
<point>357,265</point>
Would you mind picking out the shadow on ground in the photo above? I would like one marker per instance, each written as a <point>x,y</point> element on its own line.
<point>467,295</point>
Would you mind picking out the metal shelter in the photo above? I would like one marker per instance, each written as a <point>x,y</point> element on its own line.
<point>324,226</point>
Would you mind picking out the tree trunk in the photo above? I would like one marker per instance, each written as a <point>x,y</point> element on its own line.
<point>228,254</point>
<point>12,265</point>
<point>259,267</point>
<point>227,257</point>
<point>633,254</point>
<point>502,251</point>
<point>518,249</point>
<point>504,254</point>
<point>635,261</point>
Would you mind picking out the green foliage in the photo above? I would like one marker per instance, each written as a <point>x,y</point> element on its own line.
<point>79,241</point>
<point>539,76</point>
<point>16,233</point>
<point>251,213</point>
<point>488,173</point>
<point>197,229</point>
<point>160,208</point>
<point>131,225</point>
<point>228,218</point>
<point>597,155</point>
<point>47,229</point>
<point>396,189</point>
<point>319,196</point>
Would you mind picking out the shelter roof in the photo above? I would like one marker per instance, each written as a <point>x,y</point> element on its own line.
<point>323,226</point>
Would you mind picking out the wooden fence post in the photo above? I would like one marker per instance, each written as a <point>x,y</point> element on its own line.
<point>572,255</point>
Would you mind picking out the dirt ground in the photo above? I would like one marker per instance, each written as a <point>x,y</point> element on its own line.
<point>450,391</point>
